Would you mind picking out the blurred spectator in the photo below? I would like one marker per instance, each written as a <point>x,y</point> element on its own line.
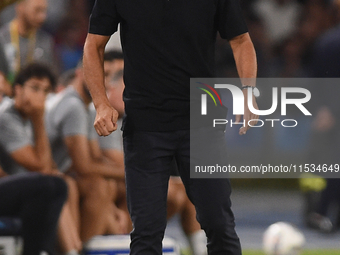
<point>111,148</point>
<point>324,145</point>
<point>113,72</point>
<point>77,11</point>
<point>22,39</point>
<point>56,12</point>
<point>37,200</point>
<point>261,43</point>
<point>326,53</point>
<point>71,33</point>
<point>289,60</point>
<point>74,149</point>
<point>68,48</point>
<point>25,112</point>
<point>24,144</point>
<point>64,80</point>
<point>326,136</point>
<point>114,63</point>
<point>317,17</point>
<point>7,14</point>
<point>280,17</point>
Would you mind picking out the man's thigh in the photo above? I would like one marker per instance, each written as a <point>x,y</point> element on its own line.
<point>93,187</point>
<point>15,190</point>
<point>148,158</point>
<point>210,196</point>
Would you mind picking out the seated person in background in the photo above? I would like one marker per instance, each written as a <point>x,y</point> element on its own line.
<point>37,200</point>
<point>111,148</point>
<point>65,79</point>
<point>178,201</point>
<point>24,145</point>
<point>113,63</point>
<point>22,39</point>
<point>113,73</point>
<point>74,151</point>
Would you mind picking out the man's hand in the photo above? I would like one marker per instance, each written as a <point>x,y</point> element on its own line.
<point>106,120</point>
<point>245,59</point>
<point>37,110</point>
<point>248,115</point>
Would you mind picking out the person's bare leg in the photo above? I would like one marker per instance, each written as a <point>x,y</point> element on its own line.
<point>178,202</point>
<point>196,236</point>
<point>188,218</point>
<point>73,201</point>
<point>176,197</point>
<point>68,237</point>
<point>120,200</point>
<point>121,203</point>
<point>114,225</point>
<point>95,202</point>
<point>119,223</point>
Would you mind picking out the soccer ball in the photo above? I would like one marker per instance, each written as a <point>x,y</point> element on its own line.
<point>282,238</point>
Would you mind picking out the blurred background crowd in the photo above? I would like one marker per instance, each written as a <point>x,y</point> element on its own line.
<point>292,39</point>
<point>285,34</point>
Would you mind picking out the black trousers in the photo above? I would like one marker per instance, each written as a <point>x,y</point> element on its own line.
<point>37,200</point>
<point>148,160</point>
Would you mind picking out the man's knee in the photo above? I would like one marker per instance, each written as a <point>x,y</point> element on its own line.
<point>71,184</point>
<point>217,220</point>
<point>147,235</point>
<point>148,221</point>
<point>54,187</point>
<point>94,188</point>
<point>176,199</point>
